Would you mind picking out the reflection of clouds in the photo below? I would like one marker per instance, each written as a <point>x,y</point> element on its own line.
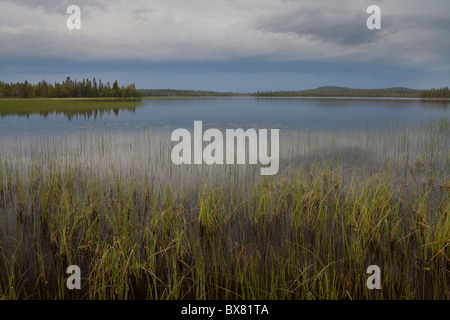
<point>146,154</point>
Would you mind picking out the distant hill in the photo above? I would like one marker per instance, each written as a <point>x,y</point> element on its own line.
<point>334,91</point>
<point>326,91</point>
<point>335,88</point>
<point>330,88</point>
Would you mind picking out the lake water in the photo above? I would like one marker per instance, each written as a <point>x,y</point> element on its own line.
<point>100,188</point>
<point>316,114</point>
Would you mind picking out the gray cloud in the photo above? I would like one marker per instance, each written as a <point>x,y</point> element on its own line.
<point>414,34</point>
<point>342,26</point>
<point>56,6</point>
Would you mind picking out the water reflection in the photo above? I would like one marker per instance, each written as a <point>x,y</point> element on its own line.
<point>435,104</point>
<point>323,114</point>
<point>84,114</point>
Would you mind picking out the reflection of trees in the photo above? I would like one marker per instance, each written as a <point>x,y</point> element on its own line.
<point>82,114</point>
<point>435,104</point>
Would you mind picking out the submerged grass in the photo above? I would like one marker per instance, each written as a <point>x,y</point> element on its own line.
<point>142,228</point>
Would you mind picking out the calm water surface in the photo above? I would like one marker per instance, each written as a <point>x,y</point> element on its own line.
<point>323,114</point>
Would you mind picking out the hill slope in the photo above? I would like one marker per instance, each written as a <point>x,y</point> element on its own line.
<point>333,91</point>
<point>326,91</point>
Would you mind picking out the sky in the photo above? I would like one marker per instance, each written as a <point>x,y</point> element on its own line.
<point>228,45</point>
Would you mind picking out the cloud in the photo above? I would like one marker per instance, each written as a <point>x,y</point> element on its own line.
<point>58,6</point>
<point>338,24</point>
<point>251,35</point>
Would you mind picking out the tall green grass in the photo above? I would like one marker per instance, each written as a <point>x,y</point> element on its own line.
<point>142,228</point>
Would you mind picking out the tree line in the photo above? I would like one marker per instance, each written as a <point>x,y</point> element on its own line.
<point>435,93</point>
<point>182,93</point>
<point>67,89</point>
<point>91,88</point>
<point>396,92</point>
<point>342,92</point>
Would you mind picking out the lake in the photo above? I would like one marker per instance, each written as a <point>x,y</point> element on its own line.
<point>361,182</point>
<point>316,114</point>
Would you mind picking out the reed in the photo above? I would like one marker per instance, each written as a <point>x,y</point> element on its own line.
<point>142,228</point>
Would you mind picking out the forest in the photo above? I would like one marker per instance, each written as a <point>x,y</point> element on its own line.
<point>435,93</point>
<point>67,89</point>
<point>332,91</point>
<point>92,89</point>
<point>183,93</point>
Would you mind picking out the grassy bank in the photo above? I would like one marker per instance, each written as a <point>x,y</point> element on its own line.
<point>67,106</point>
<point>142,228</point>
